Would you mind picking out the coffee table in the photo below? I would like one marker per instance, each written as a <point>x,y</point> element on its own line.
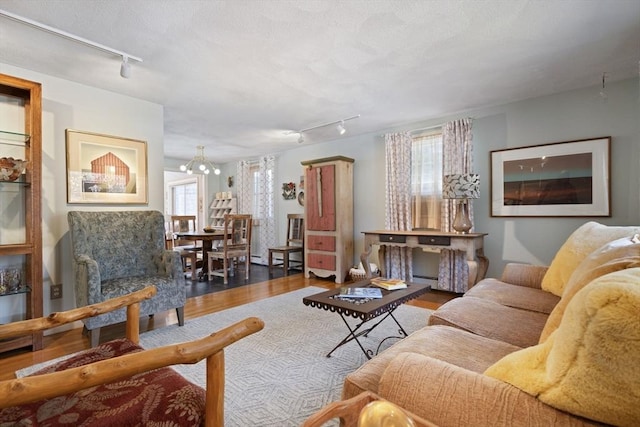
<point>365,309</point>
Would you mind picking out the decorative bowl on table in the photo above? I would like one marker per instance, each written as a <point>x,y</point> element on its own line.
<point>10,168</point>
<point>209,230</point>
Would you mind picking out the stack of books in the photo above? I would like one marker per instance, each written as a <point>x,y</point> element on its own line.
<point>388,284</point>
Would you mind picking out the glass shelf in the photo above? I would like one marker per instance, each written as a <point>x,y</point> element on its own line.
<point>20,290</point>
<point>14,138</point>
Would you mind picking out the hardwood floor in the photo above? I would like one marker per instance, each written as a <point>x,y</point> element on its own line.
<point>71,341</point>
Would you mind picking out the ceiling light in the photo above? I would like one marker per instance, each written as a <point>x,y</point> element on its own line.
<point>199,159</point>
<point>340,127</point>
<point>125,67</point>
<point>603,93</point>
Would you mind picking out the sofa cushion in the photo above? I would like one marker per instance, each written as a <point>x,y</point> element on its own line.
<point>489,319</point>
<point>515,296</point>
<point>158,397</point>
<point>586,239</point>
<point>451,396</point>
<point>590,366</point>
<point>613,256</point>
<point>455,346</point>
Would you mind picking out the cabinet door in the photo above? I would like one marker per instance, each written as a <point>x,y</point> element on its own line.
<point>320,198</point>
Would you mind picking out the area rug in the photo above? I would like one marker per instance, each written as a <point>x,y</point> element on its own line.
<point>280,376</point>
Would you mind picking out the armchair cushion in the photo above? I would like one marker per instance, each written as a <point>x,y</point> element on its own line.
<point>160,397</point>
<point>586,239</point>
<point>589,365</point>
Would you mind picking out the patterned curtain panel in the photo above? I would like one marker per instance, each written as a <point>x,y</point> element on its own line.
<point>264,210</point>
<point>453,274</point>
<point>256,187</point>
<point>398,202</point>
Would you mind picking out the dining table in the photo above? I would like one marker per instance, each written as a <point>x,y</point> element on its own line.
<point>207,238</point>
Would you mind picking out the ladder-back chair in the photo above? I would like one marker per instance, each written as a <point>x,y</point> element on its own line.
<point>188,249</point>
<point>235,246</point>
<point>295,244</point>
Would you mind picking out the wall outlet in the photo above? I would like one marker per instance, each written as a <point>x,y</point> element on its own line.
<point>56,291</point>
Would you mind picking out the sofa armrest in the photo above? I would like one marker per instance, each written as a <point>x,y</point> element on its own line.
<point>448,395</point>
<point>524,274</point>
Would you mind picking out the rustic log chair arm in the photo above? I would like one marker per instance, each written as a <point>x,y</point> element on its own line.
<point>34,388</point>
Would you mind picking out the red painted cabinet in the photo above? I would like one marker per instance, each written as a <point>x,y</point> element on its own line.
<point>328,217</point>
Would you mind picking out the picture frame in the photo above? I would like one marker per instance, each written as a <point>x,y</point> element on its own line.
<point>105,169</point>
<point>562,179</point>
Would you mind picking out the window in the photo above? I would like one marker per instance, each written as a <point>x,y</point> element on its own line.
<point>184,199</point>
<point>426,180</point>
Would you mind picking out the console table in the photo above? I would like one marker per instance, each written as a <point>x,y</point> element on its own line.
<point>470,243</point>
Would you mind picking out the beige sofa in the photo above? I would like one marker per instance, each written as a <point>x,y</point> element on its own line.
<point>541,346</point>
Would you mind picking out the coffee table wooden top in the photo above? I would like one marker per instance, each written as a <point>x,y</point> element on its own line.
<point>369,309</point>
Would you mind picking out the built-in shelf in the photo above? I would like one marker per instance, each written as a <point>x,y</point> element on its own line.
<point>23,214</point>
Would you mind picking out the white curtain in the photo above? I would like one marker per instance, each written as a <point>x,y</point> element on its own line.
<point>453,272</point>
<point>398,263</point>
<point>255,195</point>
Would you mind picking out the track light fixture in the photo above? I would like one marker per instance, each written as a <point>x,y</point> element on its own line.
<point>199,159</point>
<point>125,67</point>
<point>340,127</point>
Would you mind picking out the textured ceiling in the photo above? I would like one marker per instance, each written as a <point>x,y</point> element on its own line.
<point>235,75</point>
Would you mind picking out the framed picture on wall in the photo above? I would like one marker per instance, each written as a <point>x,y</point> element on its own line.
<point>569,178</point>
<point>104,169</point>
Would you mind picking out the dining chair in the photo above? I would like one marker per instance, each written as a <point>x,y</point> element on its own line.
<point>188,249</point>
<point>294,244</point>
<point>235,245</point>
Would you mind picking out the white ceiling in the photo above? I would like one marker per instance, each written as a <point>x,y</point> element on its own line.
<point>235,75</point>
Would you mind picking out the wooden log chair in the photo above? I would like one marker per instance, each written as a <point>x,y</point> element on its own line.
<point>365,410</point>
<point>119,383</point>
<point>294,244</point>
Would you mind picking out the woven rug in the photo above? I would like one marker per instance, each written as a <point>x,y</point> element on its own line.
<point>281,375</point>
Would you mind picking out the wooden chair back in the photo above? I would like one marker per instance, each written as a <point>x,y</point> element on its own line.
<point>238,234</point>
<point>236,245</point>
<point>182,223</point>
<point>295,229</point>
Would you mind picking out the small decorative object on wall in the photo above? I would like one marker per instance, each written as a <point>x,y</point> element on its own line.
<point>569,178</point>
<point>230,181</point>
<point>289,190</point>
<point>104,169</point>
<point>301,198</point>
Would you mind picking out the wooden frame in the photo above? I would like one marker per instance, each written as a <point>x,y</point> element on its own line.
<point>571,179</point>
<point>47,386</point>
<point>104,169</point>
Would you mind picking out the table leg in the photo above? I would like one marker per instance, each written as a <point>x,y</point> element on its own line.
<point>355,333</point>
<point>207,246</point>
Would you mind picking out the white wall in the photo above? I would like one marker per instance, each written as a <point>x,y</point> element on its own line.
<point>566,116</point>
<point>70,105</point>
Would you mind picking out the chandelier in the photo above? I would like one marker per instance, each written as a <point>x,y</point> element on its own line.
<point>202,163</point>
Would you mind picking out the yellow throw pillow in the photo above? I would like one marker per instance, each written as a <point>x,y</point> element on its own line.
<point>617,255</point>
<point>586,239</point>
<point>590,366</point>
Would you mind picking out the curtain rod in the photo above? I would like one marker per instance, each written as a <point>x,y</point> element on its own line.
<point>428,127</point>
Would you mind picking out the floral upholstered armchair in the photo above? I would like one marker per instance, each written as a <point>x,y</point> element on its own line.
<point>119,252</point>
